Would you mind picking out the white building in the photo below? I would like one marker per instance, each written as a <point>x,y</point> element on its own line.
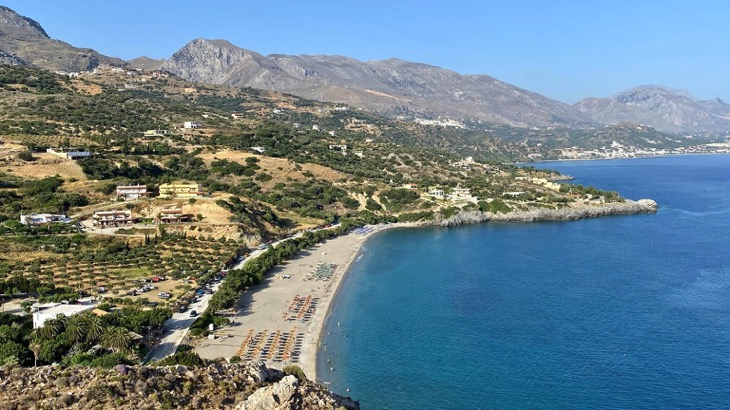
<point>155,133</point>
<point>69,154</point>
<point>191,124</point>
<point>132,191</point>
<point>462,194</point>
<point>436,193</point>
<point>103,219</point>
<point>42,219</point>
<point>40,317</point>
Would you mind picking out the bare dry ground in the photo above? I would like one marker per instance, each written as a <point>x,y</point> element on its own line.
<point>279,168</point>
<point>45,165</point>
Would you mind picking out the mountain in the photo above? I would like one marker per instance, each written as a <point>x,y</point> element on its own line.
<point>25,39</point>
<point>145,63</point>
<point>393,87</point>
<point>663,109</point>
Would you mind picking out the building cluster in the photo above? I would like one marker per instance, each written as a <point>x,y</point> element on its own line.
<point>121,217</point>
<point>616,150</point>
<point>544,182</point>
<point>457,194</point>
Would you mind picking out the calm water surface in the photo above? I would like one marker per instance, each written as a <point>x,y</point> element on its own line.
<point>625,312</point>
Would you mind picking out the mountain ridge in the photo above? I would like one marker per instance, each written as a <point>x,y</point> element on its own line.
<point>25,38</point>
<point>665,109</point>
<point>393,86</point>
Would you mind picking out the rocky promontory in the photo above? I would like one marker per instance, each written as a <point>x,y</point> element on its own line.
<point>627,207</point>
<point>244,386</point>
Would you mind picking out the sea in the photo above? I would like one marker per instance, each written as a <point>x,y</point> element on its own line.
<point>619,312</point>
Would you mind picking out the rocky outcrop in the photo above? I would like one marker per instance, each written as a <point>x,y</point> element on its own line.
<point>216,386</point>
<point>10,59</point>
<point>627,207</point>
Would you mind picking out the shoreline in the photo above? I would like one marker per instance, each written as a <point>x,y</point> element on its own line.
<point>281,321</point>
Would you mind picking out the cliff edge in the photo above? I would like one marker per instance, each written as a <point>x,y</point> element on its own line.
<point>216,386</point>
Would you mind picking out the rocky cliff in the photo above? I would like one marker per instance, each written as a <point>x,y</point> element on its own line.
<point>242,386</point>
<point>627,207</point>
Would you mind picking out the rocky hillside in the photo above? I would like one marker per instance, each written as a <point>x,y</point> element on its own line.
<point>663,109</point>
<point>26,40</point>
<point>145,63</point>
<point>217,386</point>
<point>394,87</point>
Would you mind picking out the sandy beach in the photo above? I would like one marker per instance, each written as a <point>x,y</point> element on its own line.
<point>281,320</point>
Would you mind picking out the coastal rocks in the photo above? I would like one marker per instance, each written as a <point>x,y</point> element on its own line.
<point>570,214</point>
<point>462,218</point>
<point>627,207</point>
<point>216,386</point>
<point>273,397</point>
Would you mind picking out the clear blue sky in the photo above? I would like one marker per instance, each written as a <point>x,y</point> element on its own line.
<point>564,49</point>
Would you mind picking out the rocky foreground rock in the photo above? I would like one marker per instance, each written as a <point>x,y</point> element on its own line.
<point>241,386</point>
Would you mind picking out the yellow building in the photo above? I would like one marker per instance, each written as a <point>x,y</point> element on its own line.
<point>182,191</point>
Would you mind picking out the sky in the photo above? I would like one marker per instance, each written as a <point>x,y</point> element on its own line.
<point>564,49</point>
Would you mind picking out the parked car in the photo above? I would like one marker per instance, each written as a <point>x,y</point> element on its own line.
<point>193,313</point>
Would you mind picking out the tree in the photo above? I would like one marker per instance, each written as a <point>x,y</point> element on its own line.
<point>35,347</point>
<point>26,156</point>
<point>52,327</point>
<point>76,328</point>
<point>116,339</point>
<point>12,352</point>
<point>94,328</point>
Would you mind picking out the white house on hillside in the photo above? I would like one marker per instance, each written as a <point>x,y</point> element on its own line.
<point>42,219</point>
<point>69,154</point>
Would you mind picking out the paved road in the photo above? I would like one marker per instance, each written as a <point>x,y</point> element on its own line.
<point>176,328</point>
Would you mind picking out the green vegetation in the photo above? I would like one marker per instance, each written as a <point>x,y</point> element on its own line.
<point>302,179</point>
<point>71,340</point>
<point>296,371</point>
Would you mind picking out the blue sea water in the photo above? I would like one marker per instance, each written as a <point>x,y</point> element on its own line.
<point>624,312</point>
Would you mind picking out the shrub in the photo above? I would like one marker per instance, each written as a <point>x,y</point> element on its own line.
<point>296,371</point>
<point>235,359</point>
<point>26,156</point>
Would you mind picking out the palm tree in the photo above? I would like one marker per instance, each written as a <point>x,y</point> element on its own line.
<point>94,328</point>
<point>52,327</point>
<point>116,339</point>
<point>35,347</point>
<point>76,327</point>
